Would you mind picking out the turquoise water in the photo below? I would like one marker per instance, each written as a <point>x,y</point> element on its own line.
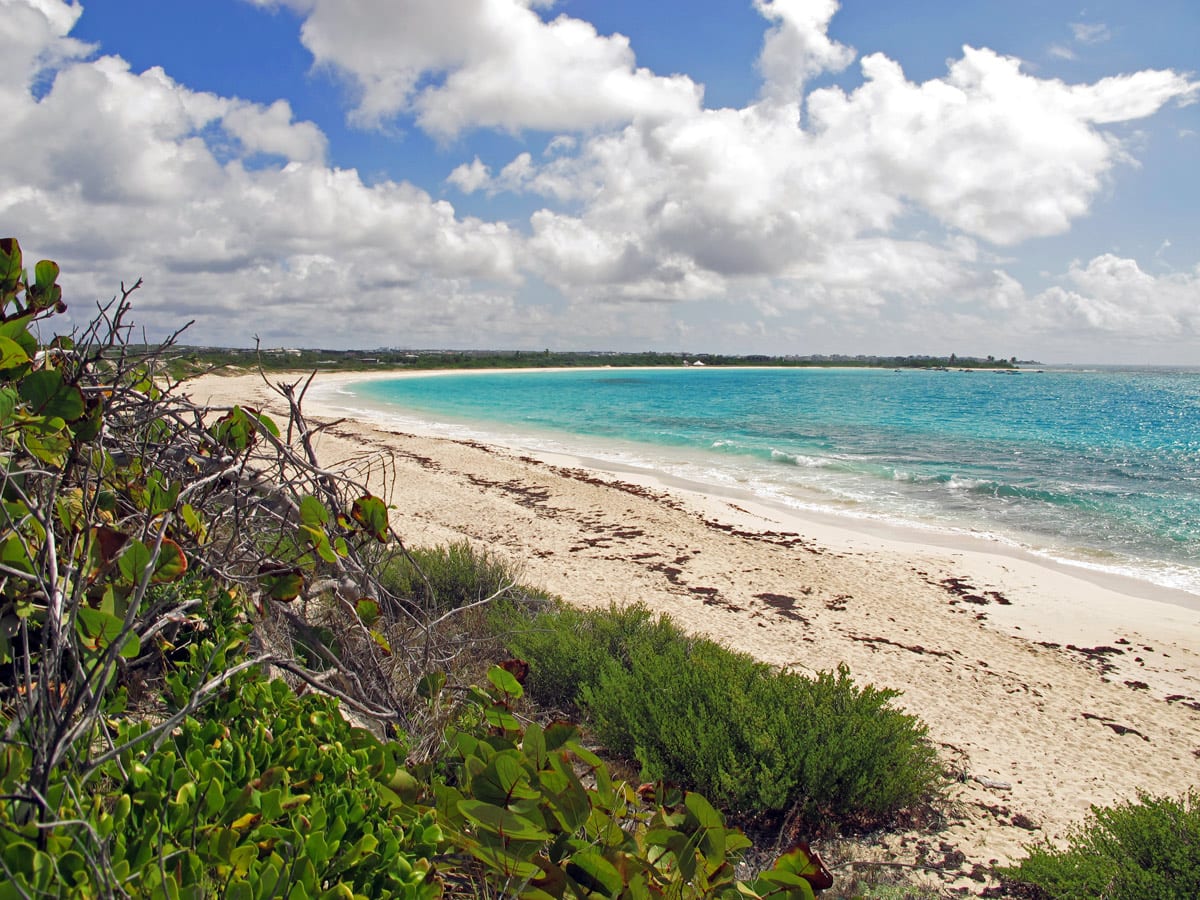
<point>1096,468</point>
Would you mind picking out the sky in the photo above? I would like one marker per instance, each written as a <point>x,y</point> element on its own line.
<point>722,176</point>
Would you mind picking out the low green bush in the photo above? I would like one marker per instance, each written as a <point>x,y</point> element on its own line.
<point>451,576</point>
<point>1148,850</point>
<point>568,647</point>
<point>752,737</point>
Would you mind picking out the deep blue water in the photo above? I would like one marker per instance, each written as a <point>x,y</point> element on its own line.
<point>1100,468</point>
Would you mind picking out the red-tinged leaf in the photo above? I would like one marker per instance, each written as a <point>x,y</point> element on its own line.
<point>237,430</point>
<point>371,515</point>
<point>171,563</point>
<point>109,543</point>
<point>281,583</point>
<point>802,860</point>
<point>518,668</point>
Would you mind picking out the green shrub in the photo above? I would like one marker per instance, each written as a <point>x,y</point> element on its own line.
<point>568,647</point>
<point>1149,850</point>
<point>752,737</point>
<point>450,577</point>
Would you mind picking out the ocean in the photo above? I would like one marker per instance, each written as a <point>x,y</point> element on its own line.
<point>1094,468</point>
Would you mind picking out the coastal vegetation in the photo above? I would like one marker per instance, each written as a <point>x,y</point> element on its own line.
<point>222,673</point>
<point>186,361</point>
<point>754,738</point>
<point>1131,851</point>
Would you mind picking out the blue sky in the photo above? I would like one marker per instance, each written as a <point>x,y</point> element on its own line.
<point>773,176</point>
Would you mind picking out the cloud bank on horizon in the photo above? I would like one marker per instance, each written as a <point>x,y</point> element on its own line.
<point>580,199</point>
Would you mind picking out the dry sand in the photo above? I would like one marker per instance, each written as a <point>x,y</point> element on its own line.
<point>1047,689</point>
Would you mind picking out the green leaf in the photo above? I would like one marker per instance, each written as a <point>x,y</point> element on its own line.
<point>47,395</point>
<point>11,269</point>
<point>282,584</point>
<point>381,641</point>
<point>313,511</point>
<point>560,733</point>
<point>367,610</point>
<point>171,563</point>
<point>505,682</point>
<point>371,514</point>
<point>711,826</point>
<point>264,421</point>
<point>45,273</point>
<point>534,746</point>
<point>431,685</point>
<point>50,447</point>
<point>194,523</point>
<point>236,430</point>
<point>97,629</point>
<point>502,822</point>
<point>503,780</point>
<point>504,862</point>
<point>595,873</point>
<point>11,354</point>
<point>17,330</point>
<point>133,562</point>
<point>803,861</point>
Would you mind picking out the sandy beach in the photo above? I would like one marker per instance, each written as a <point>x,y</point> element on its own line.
<point>1047,689</point>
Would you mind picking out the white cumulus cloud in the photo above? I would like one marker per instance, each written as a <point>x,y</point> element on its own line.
<point>464,64</point>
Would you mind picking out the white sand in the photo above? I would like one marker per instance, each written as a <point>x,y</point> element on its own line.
<point>1064,729</point>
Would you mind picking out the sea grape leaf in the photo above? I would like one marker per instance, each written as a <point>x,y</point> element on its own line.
<point>90,425</point>
<point>45,273</point>
<point>534,746</point>
<point>236,430</point>
<point>313,512</point>
<point>264,421</point>
<point>559,733</point>
<point>502,822</point>
<point>371,514</point>
<point>50,447</point>
<point>11,353</point>
<point>106,544</point>
<point>518,668</point>
<point>47,395</point>
<point>595,873</point>
<point>171,563</point>
<point>367,610</point>
<point>506,863</point>
<point>10,264</point>
<point>505,682</point>
<point>99,629</point>
<point>194,523</point>
<point>803,861</point>
<point>133,562</point>
<point>709,825</point>
<point>282,584</point>
<point>503,780</point>
<point>381,641</point>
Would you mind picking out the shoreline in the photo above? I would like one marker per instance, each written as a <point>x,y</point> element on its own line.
<point>852,529</point>
<point>1029,677</point>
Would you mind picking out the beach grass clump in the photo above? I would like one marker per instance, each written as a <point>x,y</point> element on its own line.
<point>1143,849</point>
<point>755,738</point>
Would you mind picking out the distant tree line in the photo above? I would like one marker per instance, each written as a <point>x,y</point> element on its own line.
<point>191,360</point>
